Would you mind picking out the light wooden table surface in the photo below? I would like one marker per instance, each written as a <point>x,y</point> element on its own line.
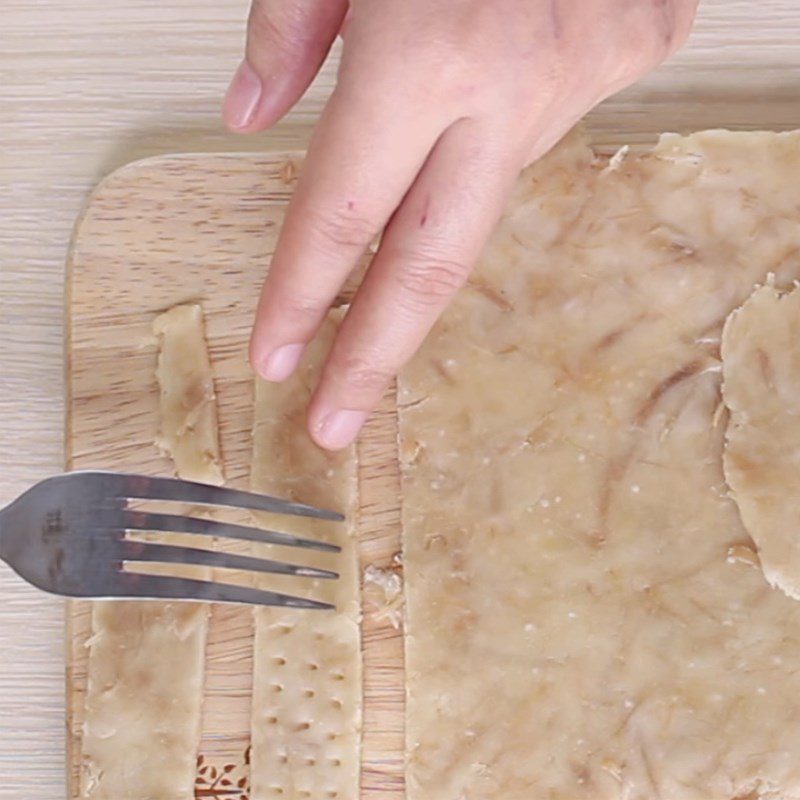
<point>88,85</point>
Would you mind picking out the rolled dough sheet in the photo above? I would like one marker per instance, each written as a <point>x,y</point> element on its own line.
<point>307,674</point>
<point>584,619</point>
<point>761,387</point>
<point>146,660</point>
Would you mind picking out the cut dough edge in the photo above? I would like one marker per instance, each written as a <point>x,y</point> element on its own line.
<point>761,389</point>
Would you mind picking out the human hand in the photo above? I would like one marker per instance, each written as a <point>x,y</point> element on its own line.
<point>438,105</point>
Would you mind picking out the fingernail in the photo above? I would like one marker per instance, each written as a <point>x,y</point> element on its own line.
<point>281,363</point>
<point>242,97</point>
<point>339,428</point>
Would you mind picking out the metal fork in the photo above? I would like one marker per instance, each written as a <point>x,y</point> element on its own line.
<point>67,535</point>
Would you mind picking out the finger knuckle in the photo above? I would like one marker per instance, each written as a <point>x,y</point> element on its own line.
<point>341,228</point>
<point>363,376</point>
<point>284,30</point>
<point>299,306</point>
<point>428,281</point>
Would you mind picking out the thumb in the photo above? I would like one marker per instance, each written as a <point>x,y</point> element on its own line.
<point>287,41</point>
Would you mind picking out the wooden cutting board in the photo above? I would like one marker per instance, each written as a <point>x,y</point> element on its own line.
<point>202,228</point>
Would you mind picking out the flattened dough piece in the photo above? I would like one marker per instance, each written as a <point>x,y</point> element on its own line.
<point>188,405</point>
<point>146,660</point>
<point>575,627</point>
<point>307,673</point>
<point>761,387</point>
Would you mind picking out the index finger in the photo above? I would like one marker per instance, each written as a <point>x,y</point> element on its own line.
<point>348,189</point>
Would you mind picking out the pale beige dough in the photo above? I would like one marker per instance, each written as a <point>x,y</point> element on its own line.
<point>188,406</point>
<point>307,673</point>
<point>582,618</point>
<point>761,388</point>
<point>146,660</point>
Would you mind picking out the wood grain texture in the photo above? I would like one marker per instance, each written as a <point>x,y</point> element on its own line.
<point>90,85</point>
<point>202,228</point>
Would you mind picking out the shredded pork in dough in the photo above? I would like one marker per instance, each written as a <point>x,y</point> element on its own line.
<point>581,619</point>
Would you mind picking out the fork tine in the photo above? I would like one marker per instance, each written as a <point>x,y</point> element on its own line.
<point>173,554</point>
<point>160,587</point>
<point>174,523</point>
<point>152,488</point>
